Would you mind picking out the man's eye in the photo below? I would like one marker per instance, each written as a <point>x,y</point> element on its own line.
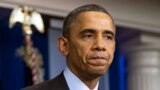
<point>109,37</point>
<point>88,35</point>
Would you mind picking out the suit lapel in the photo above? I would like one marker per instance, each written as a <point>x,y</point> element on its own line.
<point>59,83</point>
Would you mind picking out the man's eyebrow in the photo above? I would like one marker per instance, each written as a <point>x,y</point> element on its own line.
<point>109,32</point>
<point>87,31</point>
<point>94,31</point>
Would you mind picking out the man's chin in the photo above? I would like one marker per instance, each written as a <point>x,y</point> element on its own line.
<point>98,72</point>
<point>98,69</point>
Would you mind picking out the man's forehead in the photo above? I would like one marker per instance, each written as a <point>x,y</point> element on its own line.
<point>93,20</point>
<point>93,17</point>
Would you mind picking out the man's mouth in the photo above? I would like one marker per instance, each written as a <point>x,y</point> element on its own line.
<point>97,60</point>
<point>98,56</point>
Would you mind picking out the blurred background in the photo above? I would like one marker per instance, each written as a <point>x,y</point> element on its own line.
<point>136,65</point>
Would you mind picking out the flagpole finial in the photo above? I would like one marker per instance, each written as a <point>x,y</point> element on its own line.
<point>27,17</point>
<point>30,55</point>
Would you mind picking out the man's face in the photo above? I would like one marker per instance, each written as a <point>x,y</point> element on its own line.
<point>91,45</point>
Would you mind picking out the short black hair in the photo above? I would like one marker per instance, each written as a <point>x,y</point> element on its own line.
<point>71,17</point>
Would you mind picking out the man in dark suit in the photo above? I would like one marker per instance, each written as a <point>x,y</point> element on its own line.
<point>88,43</point>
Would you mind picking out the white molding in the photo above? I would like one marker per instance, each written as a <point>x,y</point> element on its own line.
<point>144,27</point>
<point>131,13</point>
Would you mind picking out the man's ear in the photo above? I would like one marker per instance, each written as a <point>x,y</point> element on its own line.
<point>62,44</point>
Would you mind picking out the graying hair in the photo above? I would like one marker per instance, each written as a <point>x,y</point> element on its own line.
<point>71,17</point>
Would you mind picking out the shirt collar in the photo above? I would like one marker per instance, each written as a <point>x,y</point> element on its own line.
<point>74,83</point>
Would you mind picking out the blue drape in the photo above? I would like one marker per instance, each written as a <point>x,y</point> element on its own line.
<point>11,66</point>
<point>0,63</point>
<point>117,72</point>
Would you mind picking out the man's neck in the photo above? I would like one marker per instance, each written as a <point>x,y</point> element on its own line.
<point>90,84</point>
<point>91,81</point>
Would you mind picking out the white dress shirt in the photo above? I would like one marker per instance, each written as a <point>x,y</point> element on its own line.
<point>74,83</point>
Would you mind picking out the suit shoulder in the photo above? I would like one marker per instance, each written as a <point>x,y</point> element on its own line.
<point>40,86</point>
<point>57,83</point>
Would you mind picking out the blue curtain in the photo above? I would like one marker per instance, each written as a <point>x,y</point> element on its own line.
<point>12,67</point>
<point>117,72</point>
<point>0,67</point>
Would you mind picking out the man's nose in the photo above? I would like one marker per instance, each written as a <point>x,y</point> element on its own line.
<point>99,44</point>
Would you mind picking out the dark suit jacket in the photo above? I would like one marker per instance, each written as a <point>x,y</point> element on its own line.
<point>58,83</point>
